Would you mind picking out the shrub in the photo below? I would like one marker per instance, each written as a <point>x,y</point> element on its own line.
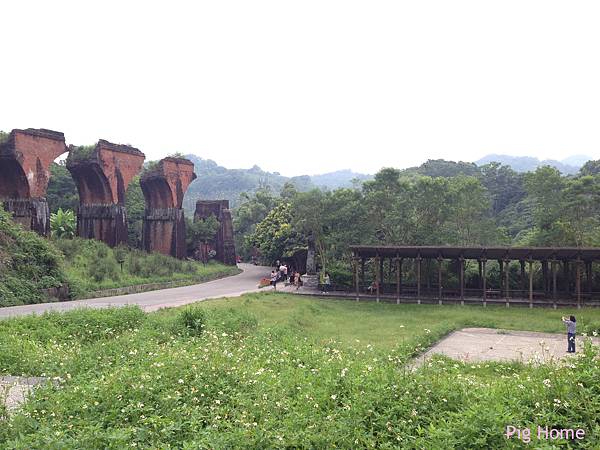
<point>190,321</point>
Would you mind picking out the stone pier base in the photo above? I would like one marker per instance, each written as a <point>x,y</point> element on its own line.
<point>310,281</point>
<point>164,231</point>
<point>32,213</point>
<point>106,223</point>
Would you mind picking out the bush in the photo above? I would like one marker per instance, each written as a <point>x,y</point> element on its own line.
<point>190,321</point>
<point>340,274</point>
<point>233,320</point>
<point>29,263</point>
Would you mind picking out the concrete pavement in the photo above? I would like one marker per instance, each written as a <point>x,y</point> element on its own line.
<point>233,286</point>
<point>488,344</point>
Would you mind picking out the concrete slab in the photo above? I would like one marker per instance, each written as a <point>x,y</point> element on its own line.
<point>15,390</point>
<point>488,344</point>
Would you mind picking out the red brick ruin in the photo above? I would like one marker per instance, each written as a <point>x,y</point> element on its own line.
<point>224,243</point>
<point>25,159</point>
<point>164,222</point>
<point>102,175</point>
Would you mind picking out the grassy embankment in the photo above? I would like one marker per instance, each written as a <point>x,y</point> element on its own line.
<point>92,266</point>
<point>29,264</point>
<point>274,370</point>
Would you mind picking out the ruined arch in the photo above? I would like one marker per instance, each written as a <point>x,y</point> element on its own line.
<point>13,181</point>
<point>25,159</point>
<point>102,174</point>
<point>164,222</point>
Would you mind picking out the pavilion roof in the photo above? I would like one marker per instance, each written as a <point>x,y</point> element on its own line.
<point>499,253</point>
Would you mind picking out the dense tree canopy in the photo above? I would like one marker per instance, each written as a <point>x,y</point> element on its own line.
<point>492,206</point>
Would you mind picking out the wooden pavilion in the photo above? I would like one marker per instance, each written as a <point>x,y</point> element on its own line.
<point>406,278</point>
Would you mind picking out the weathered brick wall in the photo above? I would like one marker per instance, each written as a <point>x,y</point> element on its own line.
<point>25,160</point>
<point>164,221</point>
<point>102,179</point>
<point>224,241</point>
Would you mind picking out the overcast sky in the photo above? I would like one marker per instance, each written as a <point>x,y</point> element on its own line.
<point>308,86</point>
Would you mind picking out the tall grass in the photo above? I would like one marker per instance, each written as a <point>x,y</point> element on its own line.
<point>277,371</point>
<point>92,265</point>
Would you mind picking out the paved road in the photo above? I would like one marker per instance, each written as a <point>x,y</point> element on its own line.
<point>247,281</point>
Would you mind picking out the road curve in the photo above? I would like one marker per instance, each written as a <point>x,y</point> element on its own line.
<point>236,285</point>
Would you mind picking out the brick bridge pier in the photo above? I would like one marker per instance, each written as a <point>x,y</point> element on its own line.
<point>25,159</point>
<point>164,221</point>
<point>102,174</point>
<point>224,242</point>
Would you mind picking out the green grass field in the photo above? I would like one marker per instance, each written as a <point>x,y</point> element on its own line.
<point>279,371</point>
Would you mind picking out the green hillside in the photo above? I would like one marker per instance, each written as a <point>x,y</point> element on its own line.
<point>30,264</point>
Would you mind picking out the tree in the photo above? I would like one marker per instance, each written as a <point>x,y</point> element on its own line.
<point>274,236</point>
<point>62,191</point>
<point>63,224</point>
<point>590,168</point>
<point>581,210</point>
<point>252,210</point>
<point>506,187</point>
<point>545,187</point>
<point>136,207</point>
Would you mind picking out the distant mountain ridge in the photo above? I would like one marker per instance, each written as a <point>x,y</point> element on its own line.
<point>216,182</point>
<point>568,166</point>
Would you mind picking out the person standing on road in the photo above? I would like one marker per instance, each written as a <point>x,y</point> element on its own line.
<point>571,324</point>
<point>274,280</point>
<point>326,283</point>
<point>297,279</point>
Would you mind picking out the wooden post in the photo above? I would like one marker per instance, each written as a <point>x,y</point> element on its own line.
<point>530,283</point>
<point>377,275</point>
<point>545,282</point>
<point>506,282</point>
<point>461,270</point>
<point>566,276</point>
<point>440,261</point>
<point>398,278</point>
<point>418,263</point>
<point>501,277</point>
<point>554,293</point>
<point>578,283</point>
<point>523,279</point>
<point>357,278</point>
<point>480,274</point>
<point>588,278</point>
<point>484,281</point>
<point>362,269</point>
<point>381,277</point>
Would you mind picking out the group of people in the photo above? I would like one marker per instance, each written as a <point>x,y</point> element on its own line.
<point>283,273</point>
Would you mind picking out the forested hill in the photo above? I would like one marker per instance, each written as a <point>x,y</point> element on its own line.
<point>567,166</point>
<point>217,182</point>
